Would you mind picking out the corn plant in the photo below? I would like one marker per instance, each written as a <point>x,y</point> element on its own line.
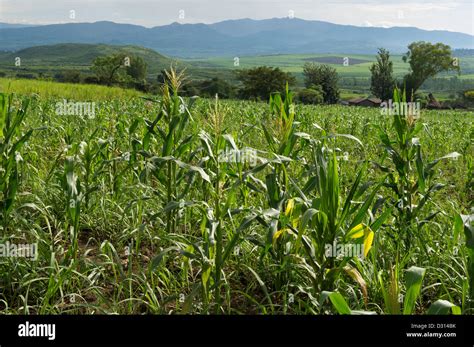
<point>226,176</point>
<point>281,137</point>
<point>71,185</point>
<point>410,177</point>
<point>175,115</point>
<point>11,142</point>
<point>326,220</point>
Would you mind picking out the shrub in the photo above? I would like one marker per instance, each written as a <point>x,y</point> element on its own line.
<point>312,96</point>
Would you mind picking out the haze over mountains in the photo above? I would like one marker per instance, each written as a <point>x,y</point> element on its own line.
<point>233,37</point>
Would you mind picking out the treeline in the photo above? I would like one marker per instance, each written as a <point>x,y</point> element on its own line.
<point>451,84</point>
<point>321,82</point>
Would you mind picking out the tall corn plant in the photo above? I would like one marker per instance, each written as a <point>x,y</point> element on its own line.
<point>328,218</point>
<point>168,126</point>
<point>409,176</point>
<point>220,186</point>
<point>227,175</point>
<point>281,138</point>
<point>11,141</point>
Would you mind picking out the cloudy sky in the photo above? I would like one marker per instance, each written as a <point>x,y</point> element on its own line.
<point>453,15</point>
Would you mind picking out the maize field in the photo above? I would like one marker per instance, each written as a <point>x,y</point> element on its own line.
<point>169,205</point>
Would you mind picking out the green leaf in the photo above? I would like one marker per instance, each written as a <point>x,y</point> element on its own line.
<point>350,196</point>
<point>413,279</point>
<point>365,206</point>
<point>443,307</point>
<point>348,136</point>
<point>452,155</point>
<point>230,141</point>
<point>188,302</point>
<point>420,169</point>
<point>261,283</point>
<point>197,169</point>
<point>157,260</point>
<point>3,112</point>
<point>379,221</point>
<point>466,221</point>
<point>337,301</point>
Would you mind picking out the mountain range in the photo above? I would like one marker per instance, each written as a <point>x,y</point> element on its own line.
<point>232,37</point>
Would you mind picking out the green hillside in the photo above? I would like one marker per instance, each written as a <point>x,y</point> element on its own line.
<point>78,56</point>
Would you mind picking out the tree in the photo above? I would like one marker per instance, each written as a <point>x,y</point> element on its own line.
<point>110,69</point>
<point>382,81</point>
<point>313,95</point>
<point>262,81</point>
<point>326,77</point>
<point>69,76</point>
<point>426,60</point>
<point>137,68</point>
<point>210,88</point>
<point>120,68</point>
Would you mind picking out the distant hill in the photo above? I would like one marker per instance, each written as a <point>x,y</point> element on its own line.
<point>234,37</point>
<point>50,59</point>
<point>13,26</point>
<point>81,55</point>
<point>463,52</point>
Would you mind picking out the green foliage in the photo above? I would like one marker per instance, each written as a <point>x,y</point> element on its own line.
<point>414,278</point>
<point>410,176</point>
<point>109,69</point>
<point>137,69</point>
<point>311,96</point>
<point>382,81</point>
<point>326,77</point>
<point>426,60</point>
<point>260,82</point>
<point>119,68</point>
<point>69,76</point>
<point>216,86</point>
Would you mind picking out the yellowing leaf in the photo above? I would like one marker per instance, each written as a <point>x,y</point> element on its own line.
<point>356,232</point>
<point>356,276</point>
<point>277,235</point>
<point>290,205</point>
<point>362,230</point>
<point>368,239</point>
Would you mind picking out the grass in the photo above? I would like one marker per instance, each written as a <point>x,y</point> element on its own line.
<point>69,91</point>
<point>134,210</point>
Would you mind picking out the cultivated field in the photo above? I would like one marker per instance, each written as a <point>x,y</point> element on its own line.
<point>169,205</point>
<point>357,64</point>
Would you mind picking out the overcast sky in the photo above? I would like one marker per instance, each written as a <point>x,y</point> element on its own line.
<point>453,15</point>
